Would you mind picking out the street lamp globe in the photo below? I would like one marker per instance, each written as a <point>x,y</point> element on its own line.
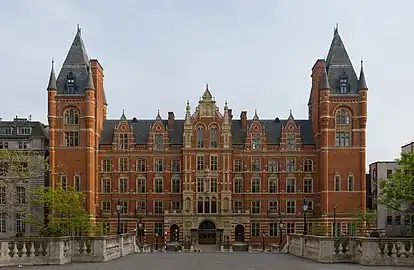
<point>281,225</point>
<point>140,225</point>
<point>305,207</point>
<point>118,206</point>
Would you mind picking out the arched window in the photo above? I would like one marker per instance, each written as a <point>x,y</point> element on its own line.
<point>200,205</point>
<point>71,127</point>
<point>213,137</point>
<point>200,137</point>
<point>308,165</point>
<point>213,205</point>
<point>71,116</point>
<point>343,128</point>
<point>207,205</point>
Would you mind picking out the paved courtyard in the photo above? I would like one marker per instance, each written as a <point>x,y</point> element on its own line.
<point>204,261</point>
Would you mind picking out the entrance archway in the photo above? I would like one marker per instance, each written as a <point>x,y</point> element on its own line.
<point>207,232</point>
<point>239,233</point>
<point>175,233</point>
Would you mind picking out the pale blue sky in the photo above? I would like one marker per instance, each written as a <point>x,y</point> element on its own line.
<point>255,54</point>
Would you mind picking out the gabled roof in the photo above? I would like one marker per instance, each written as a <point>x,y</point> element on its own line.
<point>272,128</point>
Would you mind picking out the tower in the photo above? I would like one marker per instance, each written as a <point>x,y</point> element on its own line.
<point>76,110</point>
<point>338,110</point>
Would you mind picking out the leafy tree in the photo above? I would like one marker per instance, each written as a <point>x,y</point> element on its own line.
<point>319,229</point>
<point>67,215</point>
<point>17,169</point>
<point>398,191</point>
<point>366,220</point>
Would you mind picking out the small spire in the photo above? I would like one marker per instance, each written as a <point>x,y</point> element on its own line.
<point>158,118</point>
<point>123,117</point>
<point>225,105</point>
<point>324,85</point>
<point>291,115</point>
<point>78,29</point>
<point>336,29</point>
<point>52,79</point>
<point>89,85</point>
<point>255,117</point>
<point>362,81</point>
<point>206,86</point>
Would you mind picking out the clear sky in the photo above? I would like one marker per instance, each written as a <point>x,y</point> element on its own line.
<point>256,54</point>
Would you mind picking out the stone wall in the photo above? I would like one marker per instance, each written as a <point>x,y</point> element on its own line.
<point>62,250</point>
<point>361,250</point>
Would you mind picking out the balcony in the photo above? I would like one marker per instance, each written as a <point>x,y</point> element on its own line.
<point>141,213</point>
<point>173,211</point>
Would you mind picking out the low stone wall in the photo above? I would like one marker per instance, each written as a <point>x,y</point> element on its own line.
<point>62,250</point>
<point>361,250</point>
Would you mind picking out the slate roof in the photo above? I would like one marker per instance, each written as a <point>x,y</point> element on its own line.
<point>273,130</point>
<point>38,129</point>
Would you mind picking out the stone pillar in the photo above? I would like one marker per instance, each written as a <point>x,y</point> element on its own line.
<point>55,251</point>
<point>121,245</point>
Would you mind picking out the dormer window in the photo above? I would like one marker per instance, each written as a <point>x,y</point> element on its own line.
<point>6,131</point>
<point>256,142</point>
<point>70,83</point>
<point>25,131</point>
<point>343,84</point>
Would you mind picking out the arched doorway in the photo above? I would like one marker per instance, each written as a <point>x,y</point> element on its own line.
<point>207,232</point>
<point>175,233</point>
<point>239,233</point>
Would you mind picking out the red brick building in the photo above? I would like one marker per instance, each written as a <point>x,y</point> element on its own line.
<point>244,176</point>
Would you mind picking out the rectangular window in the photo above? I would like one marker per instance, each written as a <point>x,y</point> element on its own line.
<point>389,220</point>
<point>123,141</point>
<point>350,183</point>
<point>351,229</point>
<point>106,207</point>
<point>255,229</point>
<point>106,166</point>
<point>397,220</point>
<point>255,164</point>
<point>3,223</point>
<point>273,206</point>
<point>176,205</point>
<point>238,185</point>
<point>3,197</point>
<point>141,206</point>
<point>238,165</point>
<point>255,141</point>
<point>176,185</point>
<point>273,229</point>
<point>290,185</point>
<point>159,185</point>
<point>64,182</point>
<point>272,166</point>
<point>272,185</point>
<point>71,138</point>
<point>141,165</point>
<point>124,206</point>
<point>213,185</point>
<point>6,131</point>
<point>290,227</point>
<point>123,185</point>
<point>23,145</point>
<point>256,207</point>
<point>123,164</point>
<point>159,207</point>
<point>77,183</point>
<point>176,166</point>
<point>237,206</point>
<point>290,141</point>
<point>389,174</point>
<point>200,184</point>
<point>343,139</point>
<point>337,183</point>
<point>106,185</point>
<point>307,185</point>
<point>159,229</point>
<point>21,195</point>
<point>213,163</point>
<point>291,207</point>
<point>4,145</point>
<point>158,142</point>
<point>20,222</point>
<point>256,185</point>
<point>200,163</point>
<point>24,131</point>
<point>141,185</point>
<point>290,165</point>
<point>159,165</point>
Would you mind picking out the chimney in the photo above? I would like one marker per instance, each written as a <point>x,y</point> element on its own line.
<point>171,118</point>
<point>230,111</point>
<point>243,118</point>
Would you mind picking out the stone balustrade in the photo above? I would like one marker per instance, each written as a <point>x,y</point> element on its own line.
<point>361,250</point>
<point>62,250</point>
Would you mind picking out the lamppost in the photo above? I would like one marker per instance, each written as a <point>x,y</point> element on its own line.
<point>305,209</point>
<point>156,241</point>
<point>118,212</point>
<point>263,241</point>
<point>145,238</point>
<point>140,230</point>
<point>281,232</point>
<point>334,219</point>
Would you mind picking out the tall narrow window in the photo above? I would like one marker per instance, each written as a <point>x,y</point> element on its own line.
<point>141,185</point>
<point>71,127</point>
<point>272,185</point>
<point>213,137</point>
<point>256,185</point>
<point>158,142</point>
<point>158,185</point>
<point>20,222</point>
<point>200,137</point>
<point>200,163</point>
<point>176,166</point>
<point>206,205</point>
<point>159,165</point>
<point>307,185</point>
<point>350,183</point>
<point>238,165</point>
<point>200,205</point>
<point>141,165</point>
<point>70,83</point>
<point>123,141</point>
<point>214,205</point>
<point>290,165</point>
<point>213,163</point>
<point>64,182</point>
<point>123,164</point>
<point>255,141</point>
<point>308,165</point>
<point>337,183</point>
<point>3,218</point>
<point>290,185</point>
<point>176,185</point>
<point>238,185</point>
<point>77,182</point>
<point>106,165</point>
<point>123,185</point>
<point>272,165</point>
<point>255,164</point>
<point>106,185</point>
<point>343,128</point>
<point>200,184</point>
<point>21,195</point>
<point>343,84</point>
<point>290,141</point>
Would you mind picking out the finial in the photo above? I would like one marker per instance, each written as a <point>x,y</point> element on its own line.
<point>123,111</point>
<point>362,62</point>
<point>336,28</point>
<point>53,61</point>
<point>78,30</point>
<point>206,86</point>
<point>290,111</point>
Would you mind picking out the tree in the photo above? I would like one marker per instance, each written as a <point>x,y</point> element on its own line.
<point>398,191</point>
<point>365,220</point>
<point>19,171</point>
<point>67,215</point>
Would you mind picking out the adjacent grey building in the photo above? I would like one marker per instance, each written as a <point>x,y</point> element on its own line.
<point>393,222</point>
<point>19,177</point>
